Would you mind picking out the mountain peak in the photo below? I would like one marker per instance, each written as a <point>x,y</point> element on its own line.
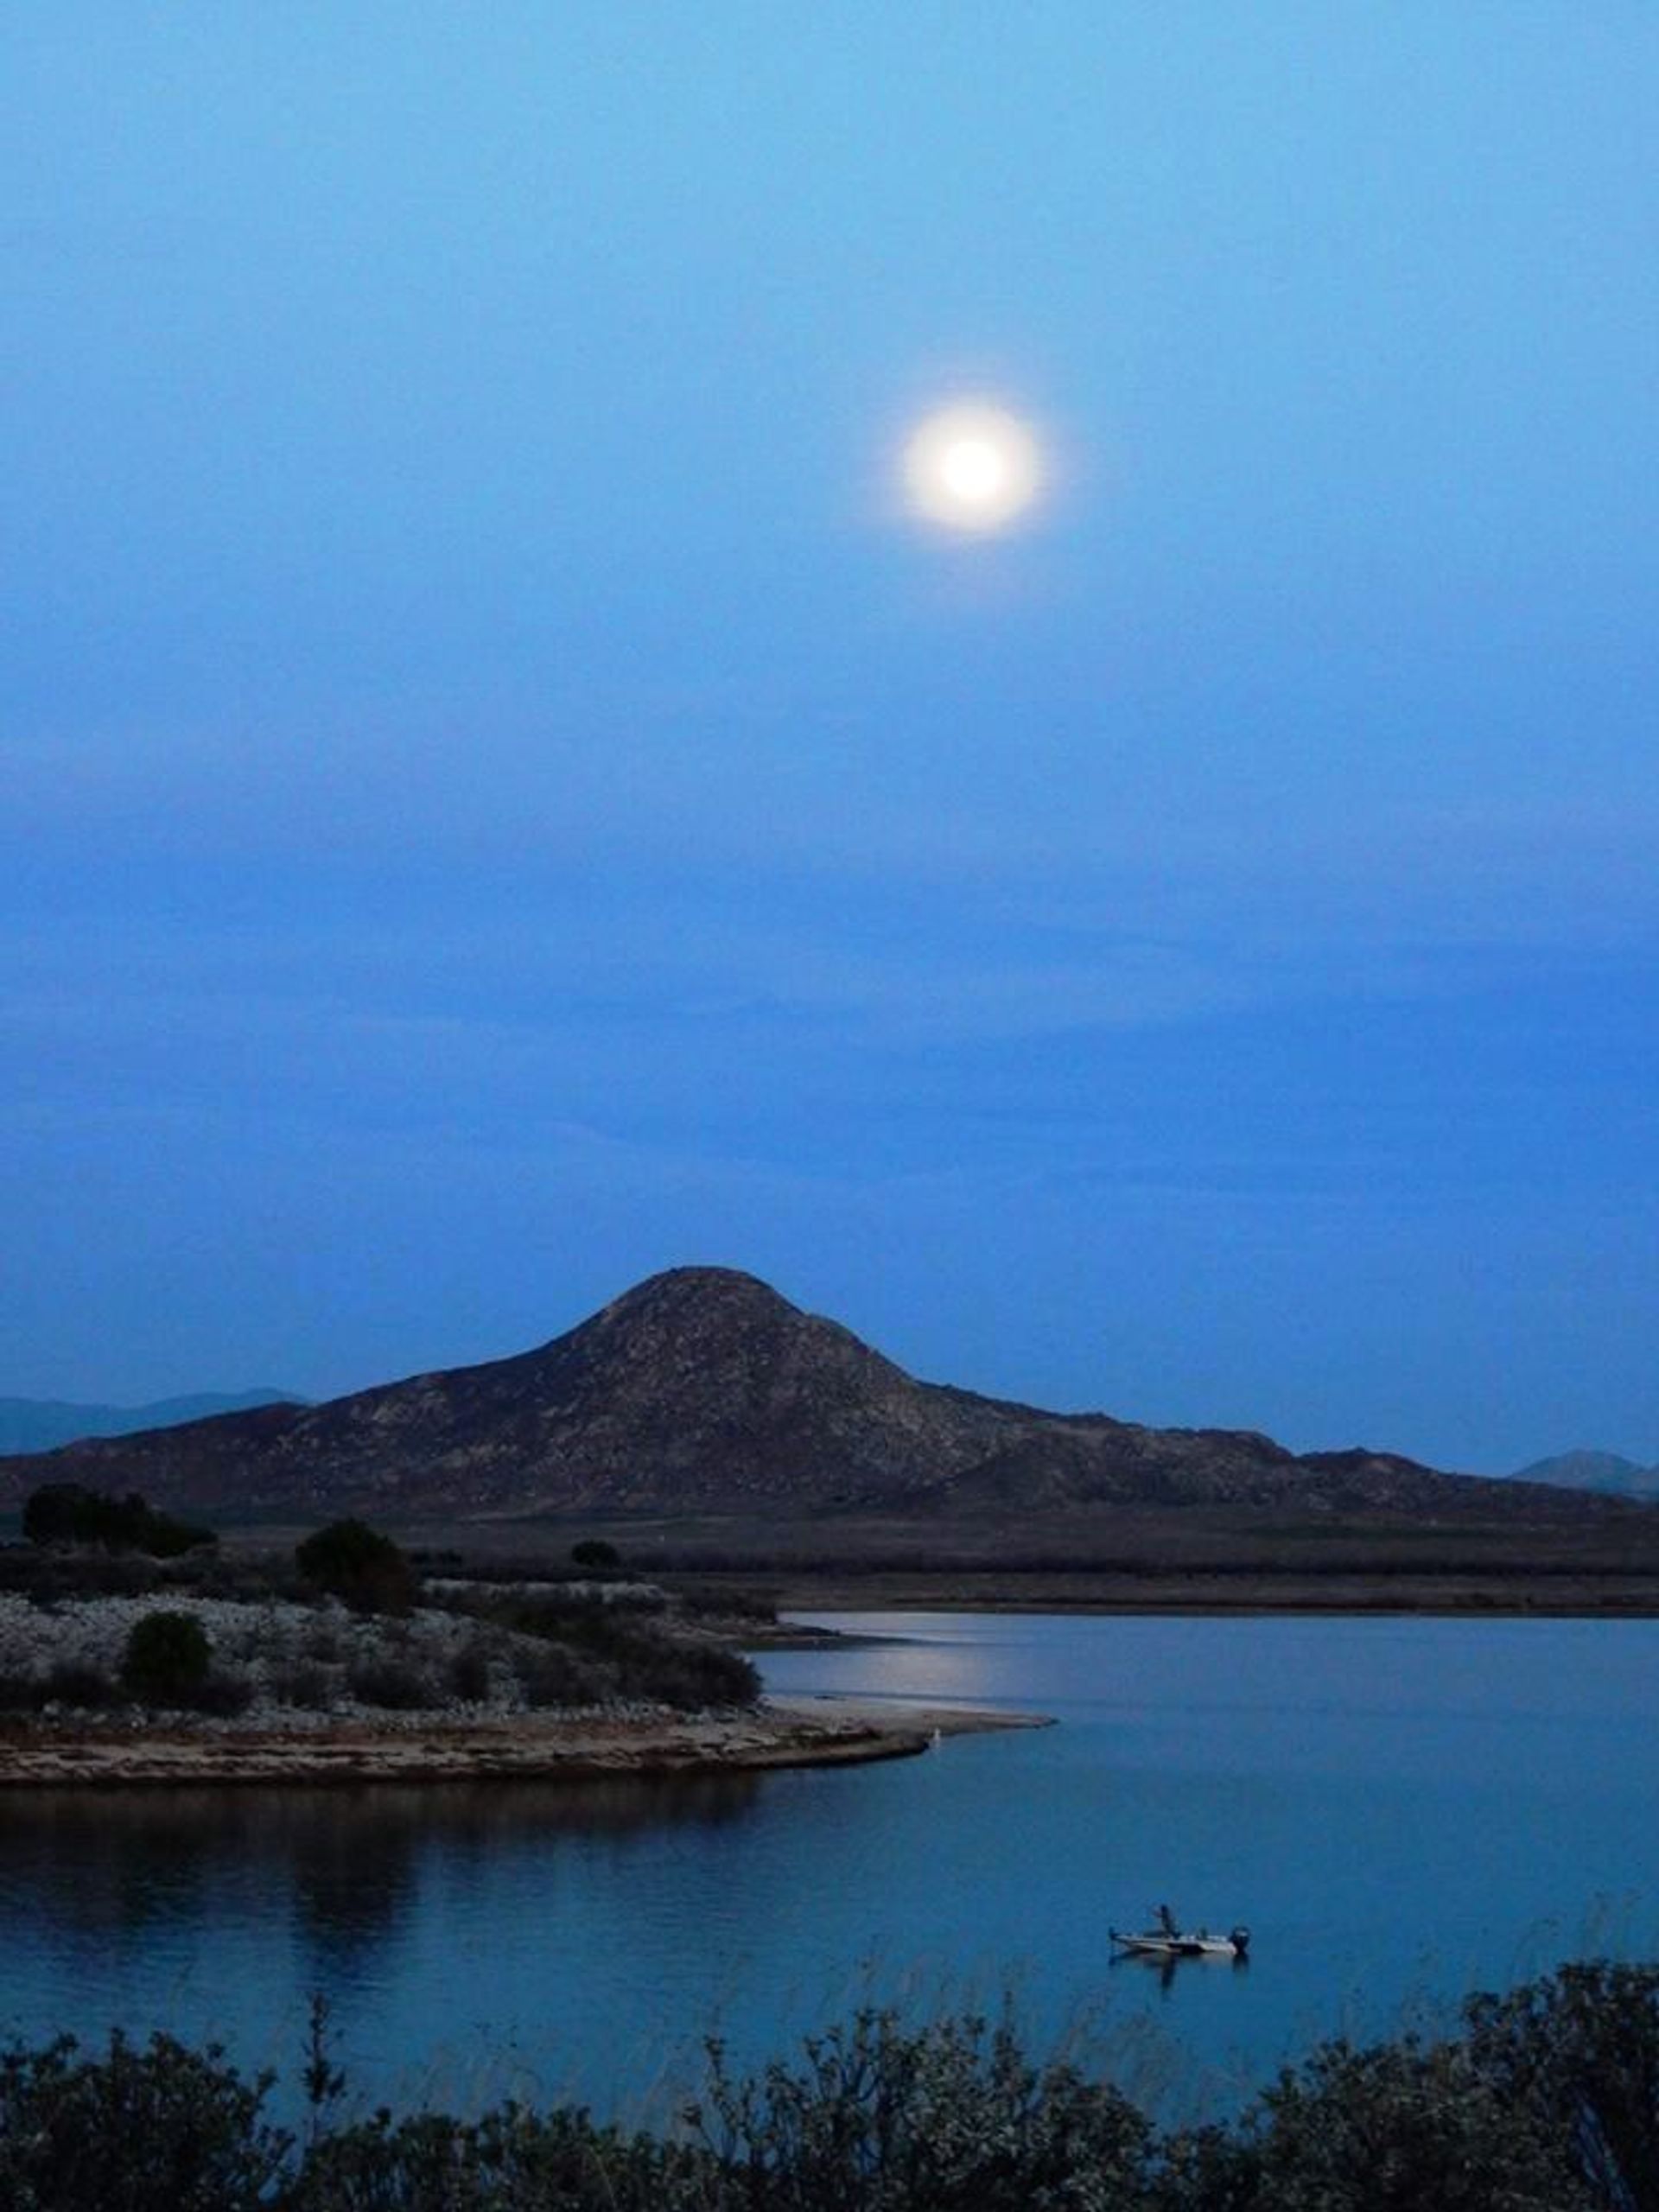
<point>1608,1472</point>
<point>695,1291</point>
<point>693,1276</point>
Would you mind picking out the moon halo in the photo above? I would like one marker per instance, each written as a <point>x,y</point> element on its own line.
<point>972,468</point>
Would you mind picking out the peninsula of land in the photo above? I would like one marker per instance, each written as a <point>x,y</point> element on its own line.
<point>789,1731</point>
<point>127,1661</point>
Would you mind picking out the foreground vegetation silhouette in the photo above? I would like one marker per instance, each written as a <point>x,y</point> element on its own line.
<point>1546,2100</point>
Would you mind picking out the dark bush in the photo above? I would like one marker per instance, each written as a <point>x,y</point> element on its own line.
<point>552,1676</point>
<point>45,1576</point>
<point>21,1693</point>
<point>73,1682</point>
<point>305,1688</point>
<point>647,1659</point>
<point>510,2160</point>
<point>253,1579</point>
<point>1396,2128</point>
<point>324,1643</point>
<point>577,1616</point>
<point>168,1659</point>
<point>744,1605</point>
<point>949,2118</point>
<point>68,1513</point>
<point>358,1565</point>
<point>1581,2049</point>
<point>469,1674</point>
<point>223,1696</point>
<point>626,1645</point>
<point>594,1551</point>
<point>391,1684</point>
<point>690,1676</point>
<point>157,2129</point>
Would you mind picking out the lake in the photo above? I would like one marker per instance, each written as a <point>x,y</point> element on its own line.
<point>1401,1809</point>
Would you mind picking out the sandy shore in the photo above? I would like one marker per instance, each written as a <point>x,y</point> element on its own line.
<point>779,1732</point>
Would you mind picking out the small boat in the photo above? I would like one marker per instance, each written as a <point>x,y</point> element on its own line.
<point>1170,1941</point>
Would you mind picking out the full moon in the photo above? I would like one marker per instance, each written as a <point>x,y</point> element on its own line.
<point>971,467</point>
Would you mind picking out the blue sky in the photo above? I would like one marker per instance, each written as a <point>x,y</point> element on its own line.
<point>500,796</point>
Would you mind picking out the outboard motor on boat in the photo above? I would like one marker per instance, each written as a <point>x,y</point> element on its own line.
<point>1240,1940</point>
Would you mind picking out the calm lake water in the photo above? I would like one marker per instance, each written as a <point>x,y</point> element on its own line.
<point>1402,1811</point>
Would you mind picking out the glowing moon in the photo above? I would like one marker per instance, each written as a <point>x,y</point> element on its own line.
<point>972,468</point>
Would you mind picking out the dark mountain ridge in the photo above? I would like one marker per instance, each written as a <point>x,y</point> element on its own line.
<point>701,1390</point>
<point>1607,1471</point>
<point>42,1424</point>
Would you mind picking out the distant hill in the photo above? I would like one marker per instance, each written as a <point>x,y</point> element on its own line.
<point>39,1424</point>
<point>702,1389</point>
<point>1604,1471</point>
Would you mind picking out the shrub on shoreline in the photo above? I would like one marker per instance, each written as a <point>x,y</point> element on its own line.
<point>1548,2102</point>
<point>168,1658</point>
<point>390,1684</point>
<point>358,1565</point>
<point>625,1644</point>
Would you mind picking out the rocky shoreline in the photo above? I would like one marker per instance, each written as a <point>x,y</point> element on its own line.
<point>778,1733</point>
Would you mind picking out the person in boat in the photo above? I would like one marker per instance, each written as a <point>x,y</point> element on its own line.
<point>1166,1920</point>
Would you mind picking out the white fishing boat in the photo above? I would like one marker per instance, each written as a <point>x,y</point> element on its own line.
<point>1171,1940</point>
